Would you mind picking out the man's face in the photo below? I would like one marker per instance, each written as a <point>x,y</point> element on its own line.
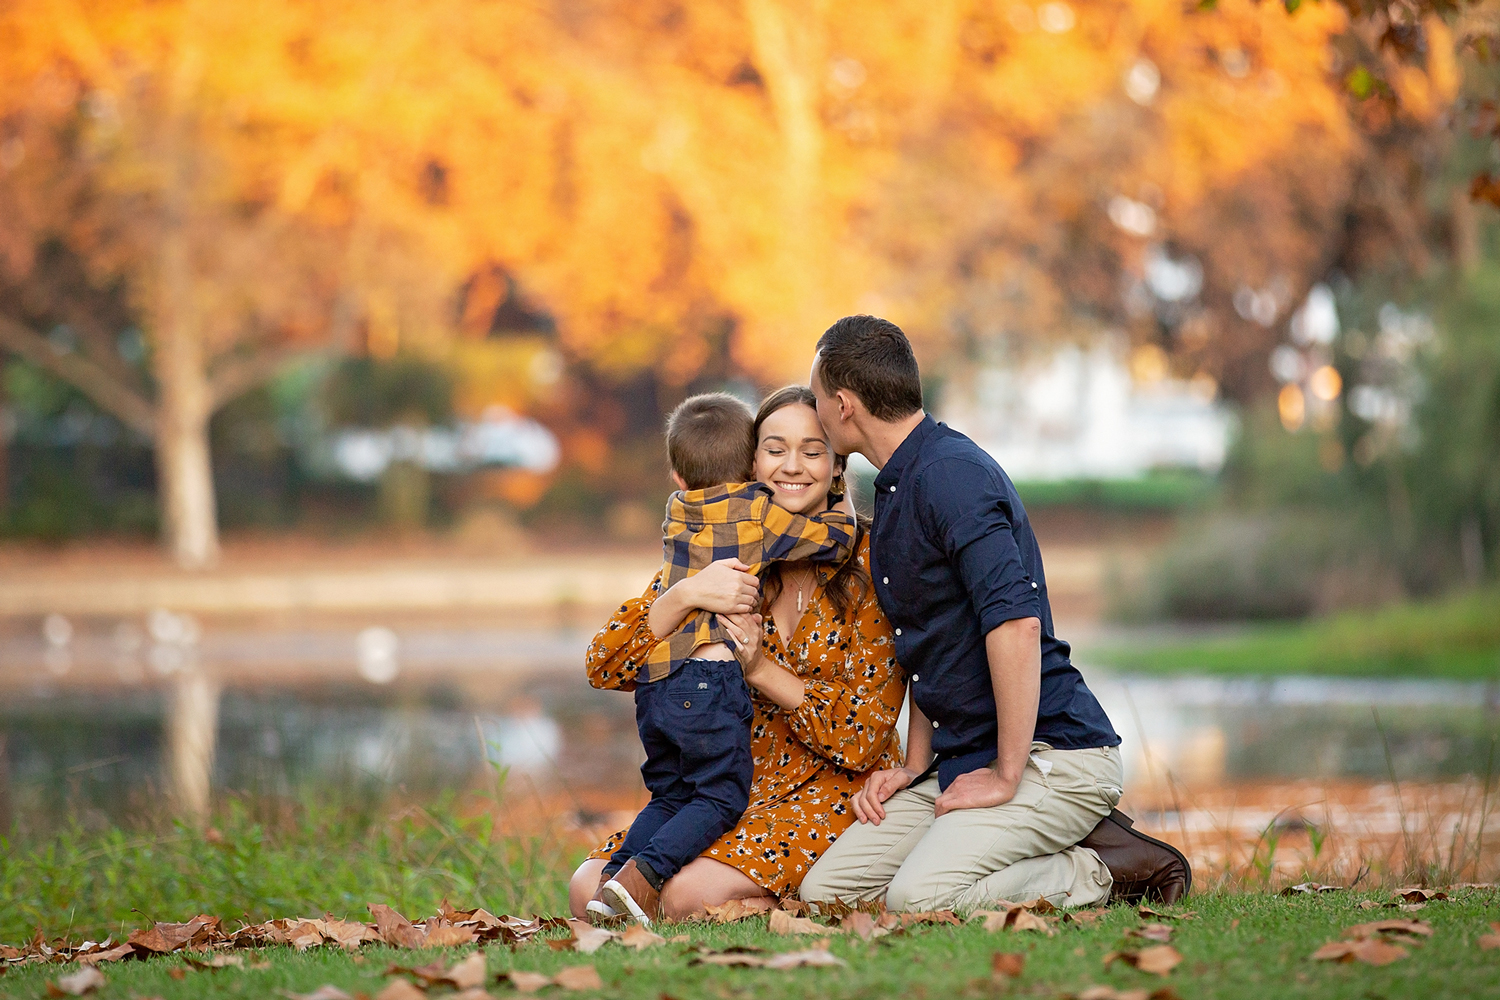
<point>828,413</point>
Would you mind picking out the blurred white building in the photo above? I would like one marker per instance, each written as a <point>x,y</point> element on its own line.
<point>1080,413</point>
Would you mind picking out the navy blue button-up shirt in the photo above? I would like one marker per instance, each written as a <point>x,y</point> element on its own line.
<point>953,556</point>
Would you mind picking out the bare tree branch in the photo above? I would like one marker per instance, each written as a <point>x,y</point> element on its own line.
<point>236,376</point>
<point>87,376</point>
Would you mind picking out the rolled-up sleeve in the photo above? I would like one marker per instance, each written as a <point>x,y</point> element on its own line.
<point>970,518</point>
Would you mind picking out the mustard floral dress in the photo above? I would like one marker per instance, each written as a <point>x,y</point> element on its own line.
<point>810,761</point>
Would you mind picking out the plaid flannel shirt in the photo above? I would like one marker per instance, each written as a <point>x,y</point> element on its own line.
<point>740,521</point>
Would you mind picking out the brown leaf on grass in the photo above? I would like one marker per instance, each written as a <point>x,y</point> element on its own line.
<point>162,938</point>
<point>739,909</point>
<point>934,917</point>
<point>1411,907</point>
<point>394,929</point>
<point>325,992</point>
<point>1148,913</point>
<point>400,989</point>
<point>305,935</point>
<point>76,984</point>
<point>448,936</point>
<point>640,937</point>
<point>579,977</point>
<point>1158,960</point>
<point>1310,889</point>
<point>1416,928</point>
<point>1151,932</point>
<point>795,907</point>
<point>433,972</point>
<point>1369,950</point>
<point>1416,894</point>
<point>729,958</point>
<point>1110,993</point>
<point>582,937</point>
<point>1016,918</point>
<point>467,973</point>
<point>472,993</point>
<point>1488,942</point>
<point>114,954</point>
<point>1369,904</point>
<point>8,953</point>
<point>1084,917</point>
<point>525,982</point>
<point>798,959</point>
<point>862,924</point>
<point>348,934</point>
<point>782,922</point>
<point>1006,965</point>
<point>216,962</point>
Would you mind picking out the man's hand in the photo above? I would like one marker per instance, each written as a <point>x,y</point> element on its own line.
<point>724,587</point>
<point>975,790</point>
<point>878,787</point>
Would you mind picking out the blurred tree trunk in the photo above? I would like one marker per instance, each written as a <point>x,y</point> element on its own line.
<point>192,730</point>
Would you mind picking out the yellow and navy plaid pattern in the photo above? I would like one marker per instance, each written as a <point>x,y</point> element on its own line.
<point>736,521</point>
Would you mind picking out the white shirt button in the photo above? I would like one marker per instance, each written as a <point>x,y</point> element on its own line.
<point>893,489</point>
<point>885,579</point>
<point>1033,584</point>
<point>898,631</point>
<point>934,724</point>
<point>915,678</point>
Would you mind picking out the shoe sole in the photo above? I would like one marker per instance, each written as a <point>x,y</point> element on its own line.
<point>1187,884</point>
<point>619,898</point>
<point>597,909</point>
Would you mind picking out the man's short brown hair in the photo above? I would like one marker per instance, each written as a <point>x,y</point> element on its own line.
<point>710,442</point>
<point>871,358</point>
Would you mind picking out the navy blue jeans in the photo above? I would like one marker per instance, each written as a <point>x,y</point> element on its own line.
<point>695,726</point>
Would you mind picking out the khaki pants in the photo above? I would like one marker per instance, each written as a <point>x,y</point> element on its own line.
<point>969,858</point>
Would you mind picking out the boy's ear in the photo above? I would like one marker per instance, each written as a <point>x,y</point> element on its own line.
<point>681,485</point>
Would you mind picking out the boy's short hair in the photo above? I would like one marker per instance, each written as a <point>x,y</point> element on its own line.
<point>871,358</point>
<point>710,441</point>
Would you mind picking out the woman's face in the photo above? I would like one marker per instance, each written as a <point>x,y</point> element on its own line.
<point>793,458</point>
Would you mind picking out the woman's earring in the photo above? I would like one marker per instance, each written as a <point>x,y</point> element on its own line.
<point>837,487</point>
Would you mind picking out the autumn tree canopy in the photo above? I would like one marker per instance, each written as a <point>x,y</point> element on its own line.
<point>678,185</point>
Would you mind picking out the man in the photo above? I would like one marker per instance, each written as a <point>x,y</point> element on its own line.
<point>1012,769</point>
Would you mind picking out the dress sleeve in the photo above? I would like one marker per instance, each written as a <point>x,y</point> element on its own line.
<point>848,714</point>
<point>616,653</point>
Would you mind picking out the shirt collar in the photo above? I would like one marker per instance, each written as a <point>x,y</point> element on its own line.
<point>906,453</point>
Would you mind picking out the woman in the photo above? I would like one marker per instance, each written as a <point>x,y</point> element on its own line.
<point>824,674</point>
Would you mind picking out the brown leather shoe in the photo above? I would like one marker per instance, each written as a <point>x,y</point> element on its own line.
<point>1143,867</point>
<point>598,910</point>
<point>630,894</point>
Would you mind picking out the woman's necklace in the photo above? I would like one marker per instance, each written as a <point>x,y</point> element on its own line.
<point>802,581</point>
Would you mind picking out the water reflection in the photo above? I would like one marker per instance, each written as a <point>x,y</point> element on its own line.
<point>366,712</point>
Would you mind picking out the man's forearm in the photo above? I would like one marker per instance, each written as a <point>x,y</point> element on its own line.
<point>1014,649</point>
<point>918,739</point>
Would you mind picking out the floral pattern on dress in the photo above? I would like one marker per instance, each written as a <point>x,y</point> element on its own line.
<point>809,761</point>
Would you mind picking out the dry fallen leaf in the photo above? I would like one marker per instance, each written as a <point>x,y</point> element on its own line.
<point>935,917</point>
<point>76,984</point>
<point>1416,894</point>
<point>1372,951</point>
<point>1310,889</point>
<point>862,924</point>
<point>1148,913</point>
<point>729,958</point>
<point>1416,928</point>
<point>108,955</point>
<point>679,939</point>
<point>472,993</point>
<point>526,982</point>
<point>1082,916</point>
<point>325,992</point>
<point>640,937</point>
<point>1016,918</point>
<point>579,977</point>
<point>164,937</point>
<point>1369,904</point>
<point>798,959</point>
<point>468,973</point>
<point>739,909</point>
<point>394,929</point>
<point>1151,932</point>
<point>400,989</point>
<point>216,962</point>
<point>1158,960</point>
<point>1488,942</point>
<point>448,936</point>
<point>305,935</point>
<point>1006,965</point>
<point>782,922</point>
<point>583,937</point>
<point>795,907</point>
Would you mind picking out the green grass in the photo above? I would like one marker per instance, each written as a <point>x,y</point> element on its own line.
<point>1239,946</point>
<point>261,861</point>
<point>1457,637</point>
<point>1156,491</point>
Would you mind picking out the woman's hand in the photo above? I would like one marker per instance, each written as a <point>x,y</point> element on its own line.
<point>878,787</point>
<point>724,587</point>
<point>746,630</point>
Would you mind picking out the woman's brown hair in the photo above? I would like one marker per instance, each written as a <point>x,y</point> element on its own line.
<point>849,585</point>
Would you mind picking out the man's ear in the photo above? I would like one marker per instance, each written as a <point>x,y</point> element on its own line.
<point>847,403</point>
<point>681,485</point>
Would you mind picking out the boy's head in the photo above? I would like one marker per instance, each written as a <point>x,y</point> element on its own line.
<point>710,442</point>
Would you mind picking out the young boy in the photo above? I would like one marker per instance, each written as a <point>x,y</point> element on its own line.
<point>692,705</point>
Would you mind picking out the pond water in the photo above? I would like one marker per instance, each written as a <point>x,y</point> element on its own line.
<point>98,724</point>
